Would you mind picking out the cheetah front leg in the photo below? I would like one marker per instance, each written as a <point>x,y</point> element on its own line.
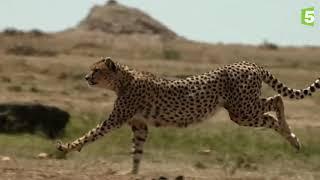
<point>140,134</point>
<point>117,118</point>
<point>91,136</point>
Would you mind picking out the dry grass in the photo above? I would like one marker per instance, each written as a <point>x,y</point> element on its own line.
<point>59,81</point>
<point>49,69</point>
<point>108,169</point>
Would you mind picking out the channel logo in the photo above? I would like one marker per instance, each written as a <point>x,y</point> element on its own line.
<point>308,16</point>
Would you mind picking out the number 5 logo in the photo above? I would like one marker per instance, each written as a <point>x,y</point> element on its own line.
<point>307,16</point>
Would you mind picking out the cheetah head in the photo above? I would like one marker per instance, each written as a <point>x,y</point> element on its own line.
<point>103,73</point>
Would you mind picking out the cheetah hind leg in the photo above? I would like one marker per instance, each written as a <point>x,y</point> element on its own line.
<point>275,103</point>
<point>140,134</point>
<point>265,120</point>
<point>271,122</point>
<point>268,121</point>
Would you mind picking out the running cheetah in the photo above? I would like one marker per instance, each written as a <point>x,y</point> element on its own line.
<point>144,99</point>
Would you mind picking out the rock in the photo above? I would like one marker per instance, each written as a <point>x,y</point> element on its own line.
<point>205,151</point>
<point>21,118</point>
<point>179,178</point>
<point>163,178</point>
<point>43,155</point>
<point>5,158</point>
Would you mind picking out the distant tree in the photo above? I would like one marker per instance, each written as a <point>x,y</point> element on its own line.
<point>268,45</point>
<point>112,2</point>
<point>12,32</point>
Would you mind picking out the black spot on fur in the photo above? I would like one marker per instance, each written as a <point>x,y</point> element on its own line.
<point>271,77</point>
<point>317,85</point>
<point>137,151</point>
<point>274,81</point>
<point>141,139</point>
<point>312,89</point>
<point>279,86</point>
<point>305,92</point>
<point>134,128</point>
<point>157,124</point>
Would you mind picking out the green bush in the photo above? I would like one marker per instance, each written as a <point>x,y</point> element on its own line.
<point>14,88</point>
<point>12,32</point>
<point>37,33</point>
<point>268,45</point>
<point>28,50</point>
<point>171,54</point>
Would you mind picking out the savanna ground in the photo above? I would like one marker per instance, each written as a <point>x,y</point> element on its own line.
<point>52,73</point>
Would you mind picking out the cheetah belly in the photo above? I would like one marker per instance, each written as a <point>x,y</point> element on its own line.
<point>180,116</point>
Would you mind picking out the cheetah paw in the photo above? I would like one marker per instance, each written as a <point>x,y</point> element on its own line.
<point>294,141</point>
<point>62,147</point>
<point>128,172</point>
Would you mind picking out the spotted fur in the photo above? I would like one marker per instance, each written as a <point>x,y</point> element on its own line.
<point>286,91</point>
<point>144,99</point>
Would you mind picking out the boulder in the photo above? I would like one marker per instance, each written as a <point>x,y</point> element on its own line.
<point>32,118</point>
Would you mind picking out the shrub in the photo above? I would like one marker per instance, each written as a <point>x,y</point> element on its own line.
<point>28,50</point>
<point>5,79</point>
<point>37,33</point>
<point>15,32</point>
<point>62,76</point>
<point>34,89</point>
<point>86,45</point>
<point>171,54</point>
<point>112,2</point>
<point>21,50</point>
<point>269,46</point>
<point>12,32</point>
<point>15,88</point>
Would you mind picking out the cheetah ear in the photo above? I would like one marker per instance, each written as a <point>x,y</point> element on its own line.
<point>110,64</point>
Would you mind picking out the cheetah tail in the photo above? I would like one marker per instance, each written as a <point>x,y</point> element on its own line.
<point>286,91</point>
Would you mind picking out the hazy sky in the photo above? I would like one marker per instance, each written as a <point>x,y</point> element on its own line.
<point>228,21</point>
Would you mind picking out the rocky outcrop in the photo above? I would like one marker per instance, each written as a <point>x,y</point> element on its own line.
<point>115,18</point>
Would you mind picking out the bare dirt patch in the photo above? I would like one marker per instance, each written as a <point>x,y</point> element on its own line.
<point>108,170</point>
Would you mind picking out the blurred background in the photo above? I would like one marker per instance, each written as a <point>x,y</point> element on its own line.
<point>47,46</point>
<point>248,22</point>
